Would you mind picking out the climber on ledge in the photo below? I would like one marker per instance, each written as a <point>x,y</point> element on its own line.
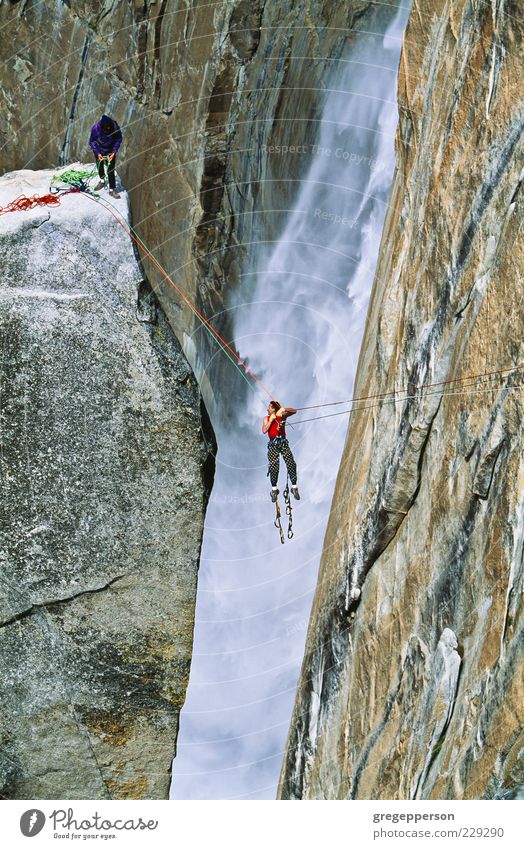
<point>274,426</point>
<point>104,141</point>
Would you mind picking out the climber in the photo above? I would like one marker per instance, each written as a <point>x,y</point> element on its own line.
<point>104,141</point>
<point>274,426</point>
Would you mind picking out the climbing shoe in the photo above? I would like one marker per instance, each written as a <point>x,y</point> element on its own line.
<point>274,494</point>
<point>100,185</point>
<point>114,194</point>
<point>296,493</point>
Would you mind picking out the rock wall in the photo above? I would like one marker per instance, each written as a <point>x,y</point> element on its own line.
<point>106,468</point>
<point>207,95</point>
<point>412,682</point>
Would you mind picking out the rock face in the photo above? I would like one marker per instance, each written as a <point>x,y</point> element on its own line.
<point>105,475</point>
<point>412,682</point>
<point>208,95</point>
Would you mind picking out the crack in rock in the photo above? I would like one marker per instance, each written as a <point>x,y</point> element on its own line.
<point>43,604</point>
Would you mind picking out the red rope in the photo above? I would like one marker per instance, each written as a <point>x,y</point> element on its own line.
<point>182,294</point>
<point>22,203</point>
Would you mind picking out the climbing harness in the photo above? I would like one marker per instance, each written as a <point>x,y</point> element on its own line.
<point>76,180</point>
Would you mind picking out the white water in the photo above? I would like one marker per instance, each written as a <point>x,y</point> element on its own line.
<point>300,316</point>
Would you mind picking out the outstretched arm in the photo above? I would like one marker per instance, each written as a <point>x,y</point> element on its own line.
<point>285,412</point>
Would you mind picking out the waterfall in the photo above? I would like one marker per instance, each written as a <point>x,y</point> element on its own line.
<point>300,315</point>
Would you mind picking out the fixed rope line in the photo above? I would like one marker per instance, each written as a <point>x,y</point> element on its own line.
<point>218,338</point>
<point>77,181</point>
<point>212,335</point>
<point>411,388</point>
<point>401,400</point>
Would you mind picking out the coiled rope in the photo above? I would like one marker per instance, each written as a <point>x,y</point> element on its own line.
<point>23,203</point>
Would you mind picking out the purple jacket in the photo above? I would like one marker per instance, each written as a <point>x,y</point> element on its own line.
<point>103,143</point>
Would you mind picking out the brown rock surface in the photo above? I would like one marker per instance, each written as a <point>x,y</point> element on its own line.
<point>202,92</point>
<point>412,683</point>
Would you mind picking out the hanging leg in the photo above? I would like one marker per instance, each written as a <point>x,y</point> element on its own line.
<point>274,463</point>
<point>291,466</point>
<point>289,460</point>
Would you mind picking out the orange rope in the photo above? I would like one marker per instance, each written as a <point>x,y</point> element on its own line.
<point>22,203</point>
<point>182,294</point>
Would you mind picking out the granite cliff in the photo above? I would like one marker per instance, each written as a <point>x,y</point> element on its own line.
<point>208,94</point>
<point>106,469</point>
<point>412,681</point>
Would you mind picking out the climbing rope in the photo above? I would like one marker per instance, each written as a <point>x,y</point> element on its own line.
<point>71,178</point>
<point>384,400</point>
<point>74,179</point>
<point>225,347</point>
<point>289,513</point>
<point>77,180</point>
<point>409,388</point>
<point>23,203</point>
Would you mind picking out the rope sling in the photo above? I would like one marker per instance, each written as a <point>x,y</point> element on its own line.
<point>289,514</point>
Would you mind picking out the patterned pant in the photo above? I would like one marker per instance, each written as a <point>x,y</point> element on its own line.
<point>278,446</point>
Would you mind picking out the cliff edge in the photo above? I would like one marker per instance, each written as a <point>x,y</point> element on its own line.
<point>105,470</point>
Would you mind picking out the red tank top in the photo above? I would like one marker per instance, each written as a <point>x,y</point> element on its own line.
<point>277,428</point>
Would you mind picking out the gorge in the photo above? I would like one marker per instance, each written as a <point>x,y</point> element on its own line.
<point>258,158</point>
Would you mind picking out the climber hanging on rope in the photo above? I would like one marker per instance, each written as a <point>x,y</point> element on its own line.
<point>104,141</point>
<point>274,426</point>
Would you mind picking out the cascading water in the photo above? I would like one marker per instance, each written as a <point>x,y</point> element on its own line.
<point>300,315</point>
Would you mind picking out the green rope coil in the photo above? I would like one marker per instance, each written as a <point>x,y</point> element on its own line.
<point>72,177</point>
